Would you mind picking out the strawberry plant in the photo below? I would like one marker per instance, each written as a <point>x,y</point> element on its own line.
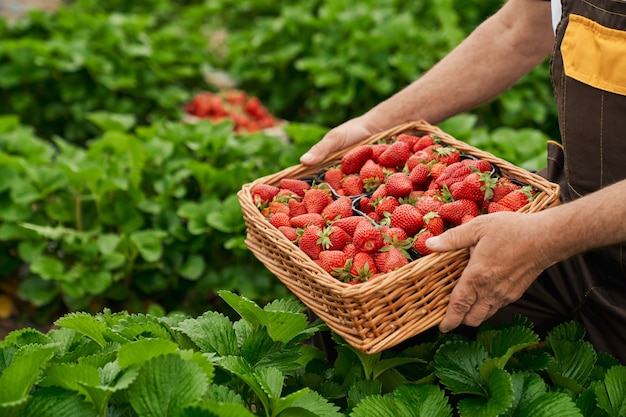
<point>139,219</point>
<point>264,361</point>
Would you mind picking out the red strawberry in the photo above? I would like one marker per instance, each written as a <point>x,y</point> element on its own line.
<point>298,187</point>
<point>434,223</point>
<point>296,207</point>
<point>349,224</point>
<point>372,175</point>
<point>437,169</point>
<point>379,193</point>
<point>375,216</point>
<point>353,185</point>
<point>304,220</point>
<point>263,193</point>
<point>342,207</point>
<point>365,204</point>
<point>290,233</point>
<point>308,241</point>
<point>280,219</point>
<point>377,150</point>
<point>494,207</point>
<point>276,207</point>
<point>386,206</point>
<point>420,243</point>
<point>316,199</point>
<point>454,211</point>
<point>395,156</point>
<point>411,140</point>
<point>393,235</point>
<point>474,187</point>
<point>367,238</point>
<point>427,203</point>
<point>350,250</point>
<point>502,188</point>
<point>333,176</point>
<point>447,155</point>
<point>363,266</point>
<point>477,165</point>
<point>333,261</point>
<point>423,142</point>
<point>399,185</point>
<point>453,173</point>
<point>408,218</point>
<point>420,174</point>
<point>334,238</point>
<point>517,199</point>
<point>353,160</point>
<point>395,259</point>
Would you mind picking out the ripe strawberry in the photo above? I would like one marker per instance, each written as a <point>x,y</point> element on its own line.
<point>375,217</point>
<point>399,185</point>
<point>263,193</point>
<point>367,238</point>
<point>372,175</point>
<point>296,207</point>
<point>395,156</point>
<point>386,206</point>
<point>423,142</point>
<point>393,235</point>
<point>377,150</point>
<point>395,259</point>
<point>420,242</point>
<point>494,207</point>
<point>517,199</point>
<point>353,160</point>
<point>502,188</point>
<point>333,176</point>
<point>316,199</point>
<point>475,187</point>
<point>427,203</point>
<point>434,223</point>
<point>477,165</point>
<point>363,266</point>
<point>334,238</point>
<point>436,170</point>
<point>352,185</point>
<point>297,186</point>
<point>305,220</point>
<point>447,155</point>
<point>429,153</point>
<point>350,250</point>
<point>275,207</point>
<point>365,204</point>
<point>453,173</point>
<point>408,218</point>
<point>290,233</point>
<point>379,193</point>
<point>280,219</point>
<point>308,241</point>
<point>411,140</point>
<point>341,207</point>
<point>349,224</point>
<point>454,211</point>
<point>333,261</point>
<point>420,174</point>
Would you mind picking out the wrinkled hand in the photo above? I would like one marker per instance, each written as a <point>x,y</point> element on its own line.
<point>505,258</point>
<point>340,137</point>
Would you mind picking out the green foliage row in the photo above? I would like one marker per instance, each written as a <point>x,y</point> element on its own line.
<point>137,217</point>
<point>263,364</point>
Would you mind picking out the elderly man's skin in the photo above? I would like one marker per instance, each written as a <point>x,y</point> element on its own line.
<point>508,250</point>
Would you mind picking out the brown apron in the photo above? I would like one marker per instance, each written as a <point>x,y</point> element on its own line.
<point>588,70</point>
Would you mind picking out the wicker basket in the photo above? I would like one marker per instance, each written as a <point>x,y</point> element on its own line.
<point>380,313</point>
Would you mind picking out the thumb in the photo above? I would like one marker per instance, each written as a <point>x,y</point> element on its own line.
<point>459,237</point>
<point>317,153</point>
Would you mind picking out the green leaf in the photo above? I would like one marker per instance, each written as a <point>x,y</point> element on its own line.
<point>420,400</point>
<point>166,383</point>
<point>55,402</point>
<point>611,392</point>
<point>499,397</point>
<point>193,267</point>
<point>112,121</point>
<point>21,375</point>
<point>281,326</point>
<point>149,243</point>
<point>85,324</point>
<point>211,332</point>
<point>527,387</point>
<point>142,350</point>
<point>550,404</point>
<point>48,268</point>
<point>457,366</point>
<point>306,403</point>
<point>505,344</point>
<point>107,243</point>
<point>228,218</point>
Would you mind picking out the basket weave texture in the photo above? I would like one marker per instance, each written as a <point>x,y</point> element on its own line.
<point>379,313</point>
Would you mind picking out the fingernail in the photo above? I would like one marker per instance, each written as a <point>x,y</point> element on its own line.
<point>307,157</point>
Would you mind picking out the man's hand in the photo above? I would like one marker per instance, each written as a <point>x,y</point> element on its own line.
<point>340,137</point>
<point>505,258</point>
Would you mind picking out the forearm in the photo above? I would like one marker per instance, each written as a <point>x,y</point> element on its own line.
<point>496,55</point>
<point>590,222</point>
